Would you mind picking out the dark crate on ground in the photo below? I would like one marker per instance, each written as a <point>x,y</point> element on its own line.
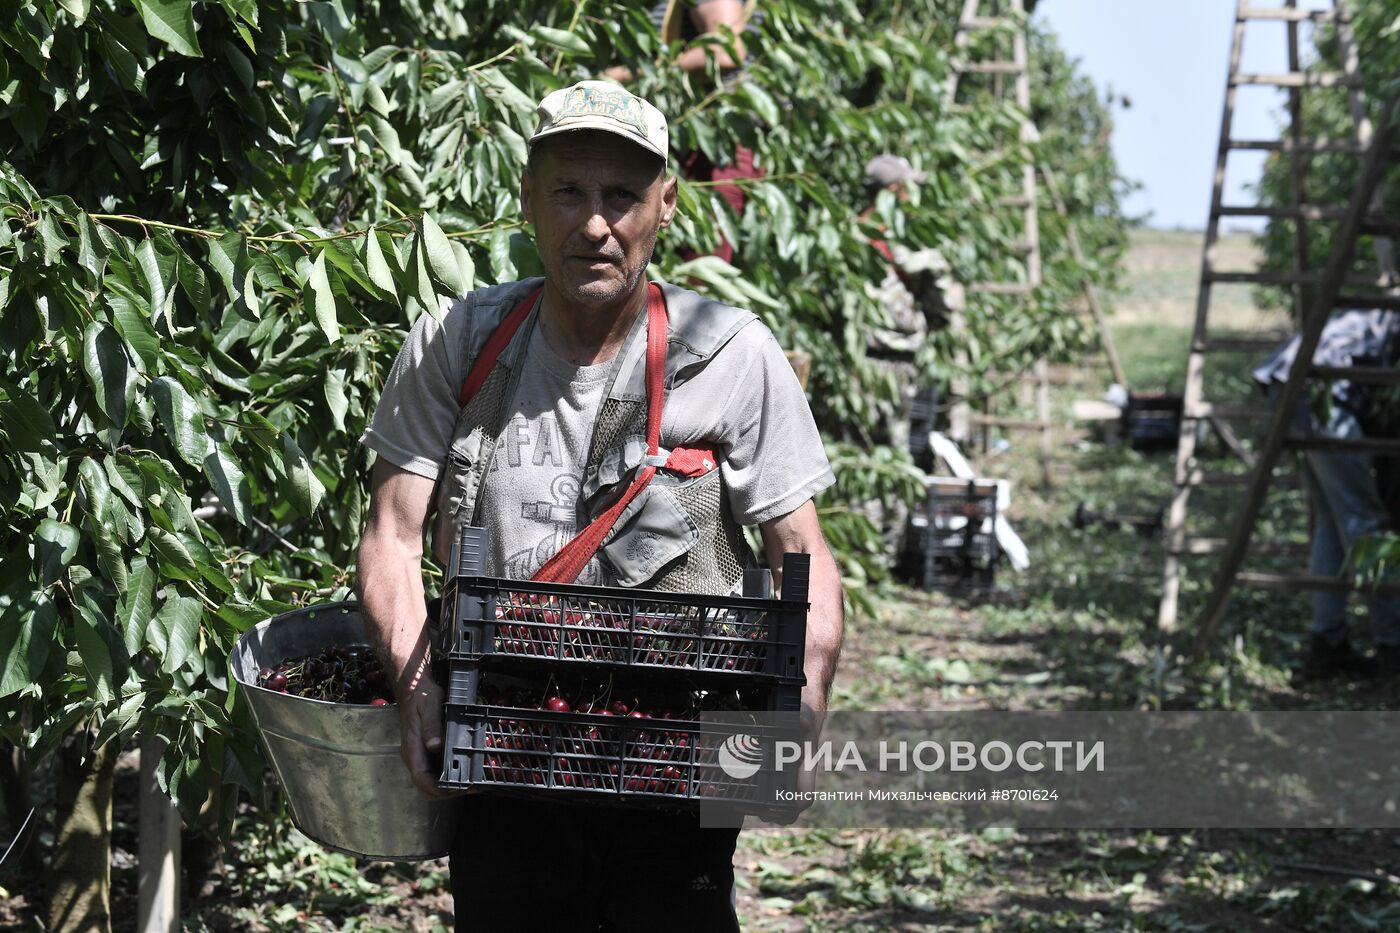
<point>519,620</point>
<point>951,544</point>
<point>1152,421</point>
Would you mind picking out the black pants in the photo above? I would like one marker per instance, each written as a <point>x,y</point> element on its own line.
<point>524,864</point>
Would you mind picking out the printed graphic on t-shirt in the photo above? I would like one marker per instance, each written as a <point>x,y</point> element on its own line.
<point>535,455</point>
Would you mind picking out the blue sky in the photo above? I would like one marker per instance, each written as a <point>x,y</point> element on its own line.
<point>1170,59</point>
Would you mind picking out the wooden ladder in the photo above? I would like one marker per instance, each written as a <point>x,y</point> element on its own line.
<point>1329,296</point>
<point>1007,16</point>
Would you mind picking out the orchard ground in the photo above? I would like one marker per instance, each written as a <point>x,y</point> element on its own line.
<point>1073,632</point>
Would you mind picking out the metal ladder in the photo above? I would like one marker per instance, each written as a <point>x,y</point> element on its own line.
<point>1311,315</point>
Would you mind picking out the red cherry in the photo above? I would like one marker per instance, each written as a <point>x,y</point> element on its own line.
<point>557,705</point>
<point>379,701</point>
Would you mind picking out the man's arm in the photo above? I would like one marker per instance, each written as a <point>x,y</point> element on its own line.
<point>389,581</point>
<point>800,532</point>
<point>710,18</point>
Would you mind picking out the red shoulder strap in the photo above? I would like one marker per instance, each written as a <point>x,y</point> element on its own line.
<point>495,345</point>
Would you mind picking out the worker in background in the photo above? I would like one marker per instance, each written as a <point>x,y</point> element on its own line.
<point>684,21</point>
<point>910,300</point>
<point>1343,486</point>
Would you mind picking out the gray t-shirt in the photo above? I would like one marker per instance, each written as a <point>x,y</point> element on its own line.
<point>746,402</point>
<point>532,485</point>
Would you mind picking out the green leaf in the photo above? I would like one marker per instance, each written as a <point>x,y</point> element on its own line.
<point>52,238</point>
<point>466,269</point>
<point>375,265</point>
<point>26,423</point>
<point>336,400</point>
<point>96,653</point>
<point>96,489</point>
<point>79,9</point>
<point>27,633</point>
<point>301,484</point>
<point>441,259</point>
<point>561,39</point>
<point>229,482</point>
<point>134,607</point>
<point>226,255</point>
<point>502,266</point>
<point>239,63</point>
<point>155,282</point>
<point>423,285</point>
<point>55,544</point>
<point>182,420</point>
<point>761,101</point>
<point>323,299</point>
<point>134,325</point>
<point>178,620</point>
<point>387,137</point>
<point>125,481</point>
<point>92,252</point>
<point>250,296</point>
<point>107,368</point>
<point>193,282</point>
<point>172,22</point>
<point>110,558</point>
<point>374,96</point>
<point>174,557</point>
<point>133,77</point>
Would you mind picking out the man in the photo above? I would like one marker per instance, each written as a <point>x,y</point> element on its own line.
<point>1342,485</point>
<point>550,426</point>
<point>911,297</point>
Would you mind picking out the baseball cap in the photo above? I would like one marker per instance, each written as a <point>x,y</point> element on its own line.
<point>889,169</point>
<point>601,105</point>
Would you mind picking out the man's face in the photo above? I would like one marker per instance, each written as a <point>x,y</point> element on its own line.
<point>596,202</point>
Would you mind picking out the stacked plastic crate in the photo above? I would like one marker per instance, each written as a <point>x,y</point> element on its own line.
<point>596,692</point>
<point>951,544</point>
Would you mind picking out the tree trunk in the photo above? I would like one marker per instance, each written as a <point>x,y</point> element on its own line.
<point>80,879</point>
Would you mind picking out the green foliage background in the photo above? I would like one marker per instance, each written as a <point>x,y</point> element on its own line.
<point>218,220</point>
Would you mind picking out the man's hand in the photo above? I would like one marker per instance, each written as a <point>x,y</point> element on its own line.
<point>799,532</point>
<point>420,718</point>
<point>389,580</point>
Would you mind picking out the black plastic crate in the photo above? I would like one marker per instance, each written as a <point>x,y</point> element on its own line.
<point>749,636</point>
<point>951,543</point>
<point>462,683</point>
<point>1152,421</point>
<point>639,762</point>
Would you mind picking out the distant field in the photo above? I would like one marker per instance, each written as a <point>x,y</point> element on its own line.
<point>1163,277</point>
<point>1153,316</point>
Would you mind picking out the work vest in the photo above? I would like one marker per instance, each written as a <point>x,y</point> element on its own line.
<point>679,533</point>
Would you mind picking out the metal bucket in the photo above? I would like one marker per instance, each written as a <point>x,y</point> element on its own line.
<point>338,763</point>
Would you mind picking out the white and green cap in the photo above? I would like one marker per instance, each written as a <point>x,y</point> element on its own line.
<point>601,105</point>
